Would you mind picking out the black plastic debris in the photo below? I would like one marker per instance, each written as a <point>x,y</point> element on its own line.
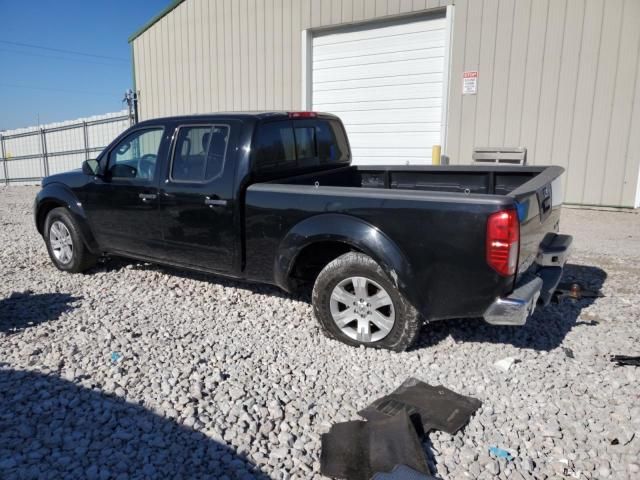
<point>358,450</point>
<point>429,407</point>
<point>402,472</point>
<point>568,352</point>
<point>622,360</point>
<point>588,323</point>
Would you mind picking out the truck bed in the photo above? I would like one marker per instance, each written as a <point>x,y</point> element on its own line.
<point>463,179</point>
<point>446,208</point>
<point>529,186</point>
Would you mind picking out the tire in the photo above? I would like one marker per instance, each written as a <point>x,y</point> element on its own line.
<point>65,244</point>
<point>355,291</point>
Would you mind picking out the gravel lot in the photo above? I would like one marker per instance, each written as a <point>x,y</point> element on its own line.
<point>138,371</point>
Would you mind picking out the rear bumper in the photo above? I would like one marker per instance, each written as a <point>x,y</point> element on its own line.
<point>535,286</point>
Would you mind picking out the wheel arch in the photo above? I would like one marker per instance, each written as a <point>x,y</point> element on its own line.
<point>342,233</point>
<point>57,195</point>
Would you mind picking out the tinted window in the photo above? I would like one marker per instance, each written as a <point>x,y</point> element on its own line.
<point>275,146</point>
<point>135,157</point>
<point>306,142</point>
<point>199,153</point>
<point>332,142</point>
<point>300,143</point>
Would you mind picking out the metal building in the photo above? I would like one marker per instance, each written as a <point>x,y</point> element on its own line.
<point>558,77</point>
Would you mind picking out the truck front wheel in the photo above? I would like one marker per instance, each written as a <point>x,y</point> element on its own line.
<point>356,303</point>
<point>64,242</point>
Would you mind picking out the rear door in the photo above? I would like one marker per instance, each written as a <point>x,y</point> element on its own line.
<point>197,196</point>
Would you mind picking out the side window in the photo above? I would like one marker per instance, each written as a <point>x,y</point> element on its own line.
<point>199,152</point>
<point>275,147</point>
<point>136,156</point>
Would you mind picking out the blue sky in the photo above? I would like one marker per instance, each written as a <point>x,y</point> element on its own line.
<point>53,85</point>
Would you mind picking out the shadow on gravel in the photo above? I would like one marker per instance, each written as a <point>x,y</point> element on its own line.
<point>545,330</point>
<point>51,428</point>
<point>22,310</point>
<point>118,263</point>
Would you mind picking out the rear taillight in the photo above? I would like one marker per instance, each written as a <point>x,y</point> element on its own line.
<point>503,237</point>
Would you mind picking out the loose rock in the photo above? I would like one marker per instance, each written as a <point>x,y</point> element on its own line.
<point>221,379</point>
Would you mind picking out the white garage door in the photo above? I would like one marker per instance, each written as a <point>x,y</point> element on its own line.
<point>386,84</point>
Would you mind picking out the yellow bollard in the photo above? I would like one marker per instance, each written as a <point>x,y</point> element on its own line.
<point>435,155</point>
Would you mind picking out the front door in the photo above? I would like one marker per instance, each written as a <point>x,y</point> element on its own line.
<point>122,206</point>
<point>196,200</point>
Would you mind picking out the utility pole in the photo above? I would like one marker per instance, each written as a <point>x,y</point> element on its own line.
<point>131,98</point>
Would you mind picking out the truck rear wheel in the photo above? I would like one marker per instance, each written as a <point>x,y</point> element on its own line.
<point>65,244</point>
<point>356,303</point>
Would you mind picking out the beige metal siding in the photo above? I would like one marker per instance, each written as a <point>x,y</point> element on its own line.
<point>217,55</point>
<point>559,77</point>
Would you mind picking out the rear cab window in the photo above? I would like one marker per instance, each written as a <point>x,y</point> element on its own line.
<point>294,144</point>
<point>275,147</point>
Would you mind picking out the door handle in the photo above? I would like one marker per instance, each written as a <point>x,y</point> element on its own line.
<point>147,197</point>
<point>214,202</point>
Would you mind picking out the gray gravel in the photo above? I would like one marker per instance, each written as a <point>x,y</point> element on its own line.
<point>137,371</point>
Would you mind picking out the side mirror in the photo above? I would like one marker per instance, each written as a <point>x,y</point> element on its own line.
<point>91,167</point>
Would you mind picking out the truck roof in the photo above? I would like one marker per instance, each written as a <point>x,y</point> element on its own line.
<point>254,115</point>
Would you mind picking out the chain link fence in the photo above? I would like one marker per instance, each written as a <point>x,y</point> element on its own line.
<point>29,154</point>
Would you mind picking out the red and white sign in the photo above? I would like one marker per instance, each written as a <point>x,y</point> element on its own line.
<point>470,82</point>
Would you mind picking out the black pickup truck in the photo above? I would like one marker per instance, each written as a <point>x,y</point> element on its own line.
<point>273,198</point>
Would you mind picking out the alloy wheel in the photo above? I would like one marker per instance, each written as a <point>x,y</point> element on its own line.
<point>362,309</point>
<point>61,242</point>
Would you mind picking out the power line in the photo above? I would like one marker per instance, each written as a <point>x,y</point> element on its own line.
<point>71,52</point>
<point>51,89</point>
<point>56,57</point>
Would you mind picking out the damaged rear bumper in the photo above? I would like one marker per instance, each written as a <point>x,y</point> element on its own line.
<point>535,286</point>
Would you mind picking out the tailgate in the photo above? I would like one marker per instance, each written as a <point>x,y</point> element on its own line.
<point>538,202</point>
